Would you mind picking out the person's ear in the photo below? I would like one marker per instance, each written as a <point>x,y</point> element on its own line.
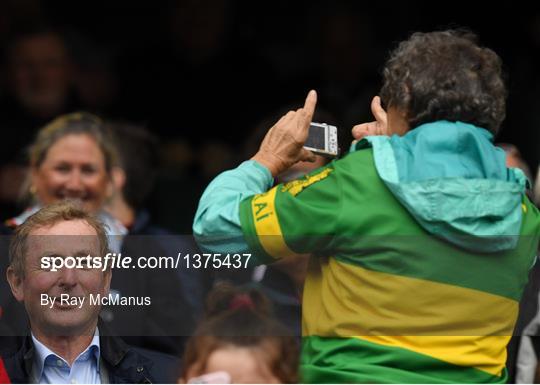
<point>16,282</point>
<point>116,182</point>
<point>118,177</point>
<point>107,283</point>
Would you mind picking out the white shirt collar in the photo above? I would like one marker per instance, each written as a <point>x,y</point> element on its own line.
<point>42,352</point>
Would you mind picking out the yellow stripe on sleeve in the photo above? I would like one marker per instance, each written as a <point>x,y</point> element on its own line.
<point>267,225</point>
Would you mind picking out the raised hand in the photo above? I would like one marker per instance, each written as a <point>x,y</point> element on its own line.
<point>283,144</point>
<point>378,127</point>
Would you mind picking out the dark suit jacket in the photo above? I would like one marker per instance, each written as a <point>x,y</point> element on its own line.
<point>124,364</point>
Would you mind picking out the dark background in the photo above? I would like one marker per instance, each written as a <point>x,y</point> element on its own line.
<point>204,75</point>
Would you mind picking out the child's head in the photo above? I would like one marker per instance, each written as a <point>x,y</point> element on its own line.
<point>240,337</point>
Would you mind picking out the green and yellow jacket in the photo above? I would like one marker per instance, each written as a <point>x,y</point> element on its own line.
<point>421,248</point>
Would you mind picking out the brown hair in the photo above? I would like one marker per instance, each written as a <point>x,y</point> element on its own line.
<point>242,318</point>
<point>46,217</point>
<point>73,124</point>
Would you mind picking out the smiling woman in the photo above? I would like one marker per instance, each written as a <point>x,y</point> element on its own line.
<point>72,158</point>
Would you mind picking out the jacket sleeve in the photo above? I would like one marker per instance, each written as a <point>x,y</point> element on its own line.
<point>296,218</point>
<point>240,213</point>
<point>216,226</point>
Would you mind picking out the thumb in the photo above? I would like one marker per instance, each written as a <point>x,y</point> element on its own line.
<point>378,112</point>
<point>307,156</point>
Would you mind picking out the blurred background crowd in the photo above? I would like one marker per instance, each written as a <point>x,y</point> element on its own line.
<point>203,76</point>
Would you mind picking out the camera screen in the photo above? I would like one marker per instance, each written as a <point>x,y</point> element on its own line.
<point>316,137</point>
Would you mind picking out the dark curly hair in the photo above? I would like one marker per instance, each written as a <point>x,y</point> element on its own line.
<point>445,75</point>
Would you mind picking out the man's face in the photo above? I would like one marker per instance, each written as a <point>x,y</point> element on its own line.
<point>69,238</point>
<point>40,74</point>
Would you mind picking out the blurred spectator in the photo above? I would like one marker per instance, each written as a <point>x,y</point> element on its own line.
<point>240,338</point>
<point>135,174</point>
<point>39,71</point>
<point>133,181</point>
<point>524,345</point>
<point>39,80</point>
<point>515,160</point>
<point>95,79</point>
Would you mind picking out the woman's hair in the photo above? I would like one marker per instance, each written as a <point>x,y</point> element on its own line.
<point>242,318</point>
<point>73,124</point>
<point>445,75</point>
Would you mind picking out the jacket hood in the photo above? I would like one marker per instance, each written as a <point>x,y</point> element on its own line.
<point>454,182</point>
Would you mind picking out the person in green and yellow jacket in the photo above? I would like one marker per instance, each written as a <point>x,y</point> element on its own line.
<point>421,238</point>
